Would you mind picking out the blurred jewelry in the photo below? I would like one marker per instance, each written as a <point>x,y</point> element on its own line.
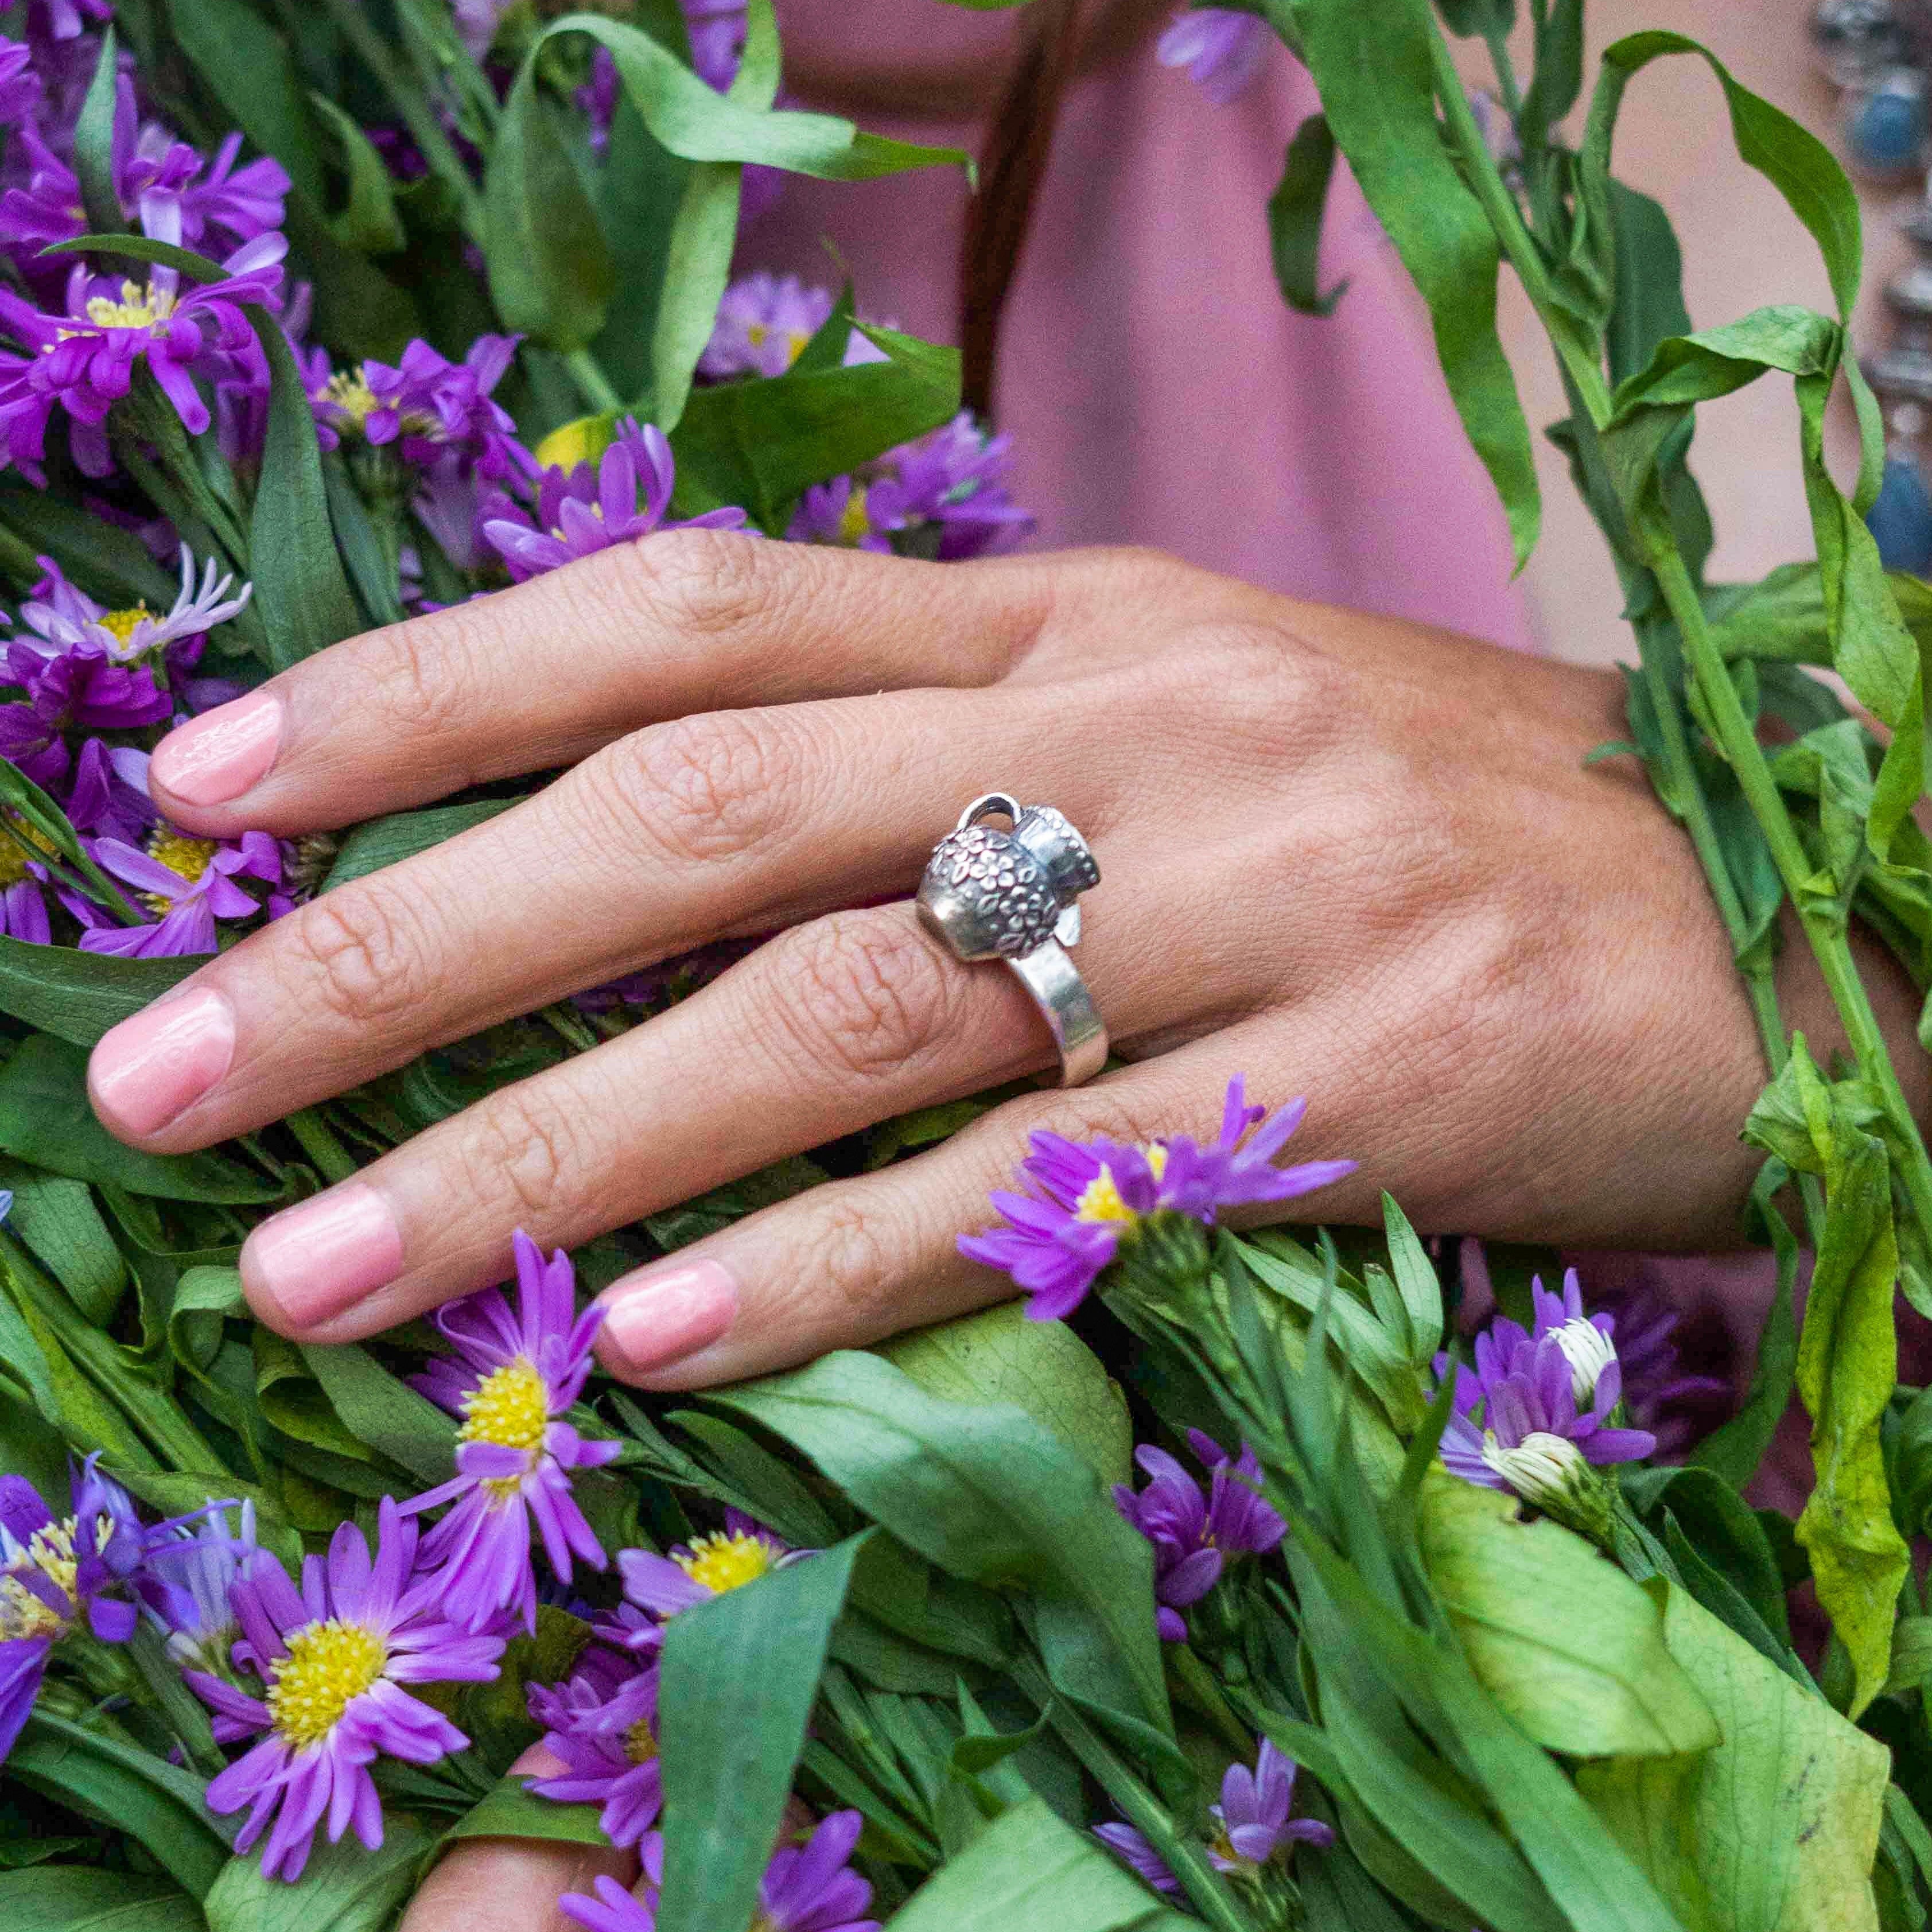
<point>1880,53</point>
<point>1014,895</point>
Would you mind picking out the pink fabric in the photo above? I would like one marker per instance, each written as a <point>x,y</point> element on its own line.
<point>1158,389</point>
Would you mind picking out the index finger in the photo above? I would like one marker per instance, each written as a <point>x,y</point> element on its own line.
<point>543,674</point>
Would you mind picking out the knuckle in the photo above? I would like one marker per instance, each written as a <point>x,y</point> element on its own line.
<point>417,683</point>
<point>848,1258</point>
<point>357,952</point>
<point>529,1150</point>
<point>707,786</point>
<point>864,996</point>
<point>703,582</point>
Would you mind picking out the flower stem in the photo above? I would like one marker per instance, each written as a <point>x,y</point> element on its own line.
<point>593,384</point>
<point>1826,931</point>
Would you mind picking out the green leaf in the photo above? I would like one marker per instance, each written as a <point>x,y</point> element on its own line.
<point>45,1120</point>
<point>1374,69</point>
<point>991,1496</point>
<point>78,996</point>
<point>1029,1872</point>
<point>385,1413</point>
<point>370,223</point>
<point>512,1810</point>
<point>107,562</point>
<point>343,1888</point>
<point>248,65</point>
<point>130,1790</point>
<point>1564,1642</point>
<point>550,272</point>
<point>1042,1367</point>
<point>58,1219</point>
<point>303,596</point>
<point>94,140</point>
<point>739,1678</point>
<point>402,835</point>
<point>761,444</point>
<point>78,1898</point>
<point>1294,213</point>
<point>1774,1830</point>
<point>1415,1278</point>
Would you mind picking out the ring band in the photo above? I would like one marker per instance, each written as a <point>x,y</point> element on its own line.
<point>1014,896</point>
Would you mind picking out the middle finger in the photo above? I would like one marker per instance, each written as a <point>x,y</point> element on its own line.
<point>716,825</point>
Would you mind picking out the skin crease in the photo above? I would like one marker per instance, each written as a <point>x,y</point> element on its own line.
<point>1494,971</point>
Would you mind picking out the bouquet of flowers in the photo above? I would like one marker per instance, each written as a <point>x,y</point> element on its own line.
<point>313,319</point>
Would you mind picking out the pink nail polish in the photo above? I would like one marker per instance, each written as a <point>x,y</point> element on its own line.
<point>149,1068</point>
<point>315,1261</point>
<point>666,1313</point>
<point>215,758</point>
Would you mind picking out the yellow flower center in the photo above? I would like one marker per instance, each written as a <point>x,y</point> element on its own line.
<point>13,860</point>
<point>852,522</point>
<point>120,625</point>
<point>758,333</point>
<point>509,1407</point>
<point>186,858</point>
<point>640,1746</point>
<point>1156,1160</point>
<point>329,1667</point>
<point>722,1562</point>
<point>150,308</point>
<point>1100,1200</point>
<point>349,390</point>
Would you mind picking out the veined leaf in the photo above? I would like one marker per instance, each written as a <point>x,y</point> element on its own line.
<point>1564,1642</point>
<point>1774,1830</point>
<point>343,1888</point>
<point>81,1898</point>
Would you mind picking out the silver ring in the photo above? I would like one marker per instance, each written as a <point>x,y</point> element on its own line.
<point>1014,896</point>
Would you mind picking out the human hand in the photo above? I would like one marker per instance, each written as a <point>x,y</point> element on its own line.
<point>1354,859</point>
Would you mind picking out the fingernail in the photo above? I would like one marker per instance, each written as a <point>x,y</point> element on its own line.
<point>315,1261</point>
<point>213,759</point>
<point>666,1313</point>
<point>151,1066</point>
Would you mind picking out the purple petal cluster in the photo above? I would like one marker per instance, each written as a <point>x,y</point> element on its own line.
<point>53,1571</point>
<point>83,359</point>
<point>764,321</point>
<point>516,1374</point>
<point>189,884</point>
<point>575,513</point>
<point>1195,1536</point>
<point>950,481</point>
<point>1083,1198</point>
<point>606,1740</point>
<point>707,1566</point>
<point>185,1585</point>
<point>333,1659</point>
<point>807,1888</point>
<point>1221,49</point>
<point>1253,1829</point>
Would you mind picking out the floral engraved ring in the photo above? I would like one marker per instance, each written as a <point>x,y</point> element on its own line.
<point>1014,895</point>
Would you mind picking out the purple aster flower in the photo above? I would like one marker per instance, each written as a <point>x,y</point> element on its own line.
<point>19,85</point>
<point>1194,1536</point>
<point>1252,1820</point>
<point>1221,49</point>
<point>707,1566</point>
<point>953,477</point>
<point>1127,1844</point>
<point>1532,1437</point>
<point>1083,1198</point>
<point>109,793</point>
<point>764,323</point>
<point>84,360</point>
<point>430,406</point>
<point>189,884</point>
<point>578,513</point>
<point>629,1629</point>
<point>62,617</point>
<point>476,22</point>
<point>1676,1408</point>
<point>333,1657</point>
<point>53,1569</point>
<point>838,513</point>
<point>518,1375</point>
<point>184,1585</point>
<point>609,1749</point>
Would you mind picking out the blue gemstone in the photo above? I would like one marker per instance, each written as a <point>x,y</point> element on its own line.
<point>1887,129</point>
<point>1901,519</point>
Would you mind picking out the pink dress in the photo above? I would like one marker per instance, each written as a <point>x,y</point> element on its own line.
<point>1158,389</point>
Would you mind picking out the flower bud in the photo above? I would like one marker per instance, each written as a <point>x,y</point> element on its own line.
<point>1588,1351</point>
